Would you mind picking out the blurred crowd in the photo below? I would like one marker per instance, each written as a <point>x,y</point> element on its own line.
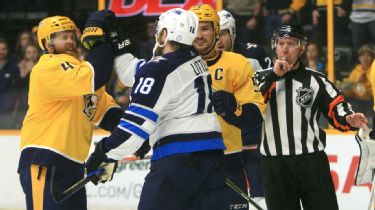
<point>354,26</point>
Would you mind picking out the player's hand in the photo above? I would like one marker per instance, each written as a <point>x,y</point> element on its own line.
<point>101,26</point>
<point>98,28</point>
<point>357,120</point>
<point>224,102</point>
<point>143,150</point>
<point>281,67</point>
<point>98,159</point>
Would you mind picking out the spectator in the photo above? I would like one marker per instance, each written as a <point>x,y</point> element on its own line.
<point>313,59</point>
<point>28,61</point>
<point>247,16</point>
<point>357,87</point>
<point>8,78</point>
<point>280,12</point>
<point>25,65</point>
<point>319,20</point>
<point>363,23</point>
<point>34,37</point>
<point>145,48</point>
<point>24,39</point>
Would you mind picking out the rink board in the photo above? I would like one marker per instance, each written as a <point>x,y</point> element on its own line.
<point>124,191</point>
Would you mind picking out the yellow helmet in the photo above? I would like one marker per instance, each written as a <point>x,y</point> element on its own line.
<point>51,25</point>
<point>206,13</point>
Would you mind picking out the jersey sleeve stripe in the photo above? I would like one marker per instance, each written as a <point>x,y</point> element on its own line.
<point>126,126</point>
<point>143,112</point>
<point>331,113</point>
<point>133,118</point>
<point>184,147</point>
<point>139,64</point>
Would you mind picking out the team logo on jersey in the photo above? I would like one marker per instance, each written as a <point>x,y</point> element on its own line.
<point>90,105</point>
<point>305,97</point>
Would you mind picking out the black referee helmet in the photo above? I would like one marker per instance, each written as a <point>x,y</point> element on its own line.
<point>294,31</point>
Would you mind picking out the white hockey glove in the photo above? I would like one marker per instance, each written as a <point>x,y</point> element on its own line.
<point>366,163</point>
<point>98,160</point>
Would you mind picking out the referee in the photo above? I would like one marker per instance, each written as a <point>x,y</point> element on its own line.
<point>295,168</point>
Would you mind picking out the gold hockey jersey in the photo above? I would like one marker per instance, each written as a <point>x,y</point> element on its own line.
<point>63,107</point>
<point>232,72</point>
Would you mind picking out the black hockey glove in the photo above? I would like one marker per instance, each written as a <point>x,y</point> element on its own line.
<point>101,27</point>
<point>98,160</point>
<point>225,105</point>
<point>143,150</point>
<point>224,102</point>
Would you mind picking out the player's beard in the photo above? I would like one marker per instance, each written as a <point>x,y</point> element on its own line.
<point>70,50</point>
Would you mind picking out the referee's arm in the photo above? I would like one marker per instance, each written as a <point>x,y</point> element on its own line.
<point>335,107</point>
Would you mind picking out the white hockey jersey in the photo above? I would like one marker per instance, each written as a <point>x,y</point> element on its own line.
<point>171,106</point>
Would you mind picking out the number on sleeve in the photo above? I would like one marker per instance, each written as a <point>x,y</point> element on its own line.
<point>144,86</point>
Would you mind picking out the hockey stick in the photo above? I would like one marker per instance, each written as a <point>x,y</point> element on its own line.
<point>60,197</point>
<point>235,188</point>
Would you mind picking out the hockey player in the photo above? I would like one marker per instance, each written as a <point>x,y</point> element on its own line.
<point>231,73</point>
<point>295,168</point>
<point>171,105</point>
<point>257,56</point>
<point>66,99</point>
<point>366,140</point>
<point>251,137</point>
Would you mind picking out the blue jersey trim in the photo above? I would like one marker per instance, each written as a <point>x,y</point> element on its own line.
<point>135,129</point>
<point>144,112</point>
<point>139,64</point>
<point>187,147</point>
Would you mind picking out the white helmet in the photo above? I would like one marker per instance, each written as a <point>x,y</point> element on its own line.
<point>228,22</point>
<point>181,25</point>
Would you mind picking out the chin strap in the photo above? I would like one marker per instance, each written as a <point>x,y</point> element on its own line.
<point>157,44</point>
<point>211,48</point>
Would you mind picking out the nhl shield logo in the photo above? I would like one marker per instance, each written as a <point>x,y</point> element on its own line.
<point>305,97</point>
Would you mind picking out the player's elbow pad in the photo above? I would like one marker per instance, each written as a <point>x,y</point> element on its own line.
<point>111,119</point>
<point>126,66</point>
<point>101,58</point>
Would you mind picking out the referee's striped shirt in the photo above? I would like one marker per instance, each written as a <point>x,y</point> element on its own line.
<point>294,104</point>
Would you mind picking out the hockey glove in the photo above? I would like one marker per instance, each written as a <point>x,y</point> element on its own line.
<point>224,102</point>
<point>101,27</point>
<point>93,32</point>
<point>143,150</point>
<point>366,163</point>
<point>98,160</point>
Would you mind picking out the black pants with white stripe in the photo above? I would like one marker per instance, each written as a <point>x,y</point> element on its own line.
<point>289,181</point>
